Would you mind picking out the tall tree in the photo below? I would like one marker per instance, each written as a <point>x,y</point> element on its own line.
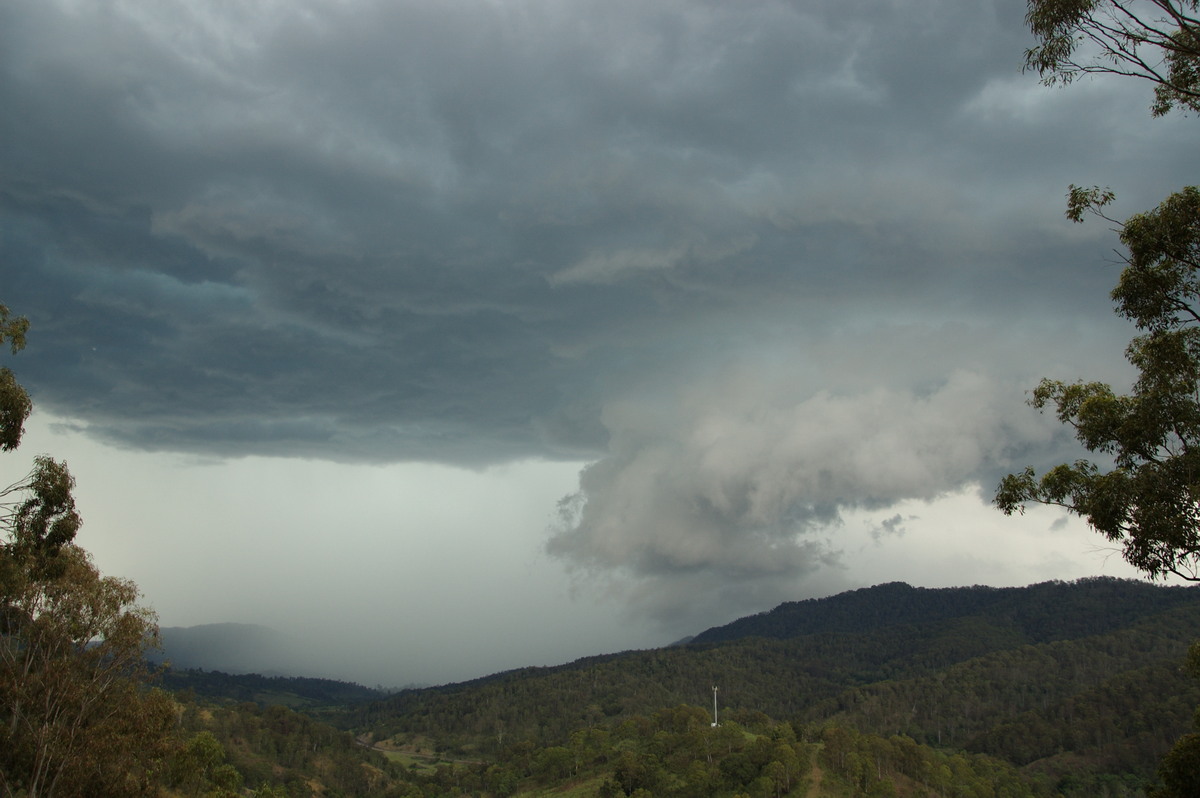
<point>1145,491</point>
<point>1149,499</point>
<point>77,720</point>
<point>75,717</point>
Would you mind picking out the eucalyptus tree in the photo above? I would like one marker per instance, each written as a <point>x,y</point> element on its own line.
<point>76,718</point>
<point>1146,493</point>
<point>15,404</point>
<point>1154,40</point>
<point>1142,487</point>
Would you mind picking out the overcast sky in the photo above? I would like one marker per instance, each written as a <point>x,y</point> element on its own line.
<point>476,334</point>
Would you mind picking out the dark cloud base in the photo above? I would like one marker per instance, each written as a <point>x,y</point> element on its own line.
<point>759,263</point>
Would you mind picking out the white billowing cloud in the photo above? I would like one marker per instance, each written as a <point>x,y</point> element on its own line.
<point>957,540</point>
<point>737,479</point>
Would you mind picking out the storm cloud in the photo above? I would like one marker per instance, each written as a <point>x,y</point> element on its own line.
<point>758,264</point>
<point>743,480</point>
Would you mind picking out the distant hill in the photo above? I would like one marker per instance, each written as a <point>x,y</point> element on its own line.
<point>295,692</point>
<point>231,648</point>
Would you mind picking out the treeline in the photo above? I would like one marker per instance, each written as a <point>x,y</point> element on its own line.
<point>950,683</point>
<point>1039,613</point>
<point>1105,705</point>
<point>291,691</point>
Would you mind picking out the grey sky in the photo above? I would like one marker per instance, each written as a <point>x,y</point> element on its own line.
<point>749,270</point>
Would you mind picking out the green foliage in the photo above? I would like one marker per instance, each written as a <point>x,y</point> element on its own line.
<point>1149,500</point>
<point>15,404</point>
<point>275,751</point>
<point>1158,41</point>
<point>13,329</point>
<point>15,407</point>
<point>872,765</point>
<point>1079,707</point>
<point>44,520</point>
<point>1179,770</point>
<point>194,762</point>
<point>675,753</point>
<point>37,514</point>
<point>75,715</point>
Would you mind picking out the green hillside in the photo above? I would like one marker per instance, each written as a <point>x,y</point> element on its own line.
<point>291,691</point>
<point>991,654</point>
<point>1041,613</point>
<point>1070,689</point>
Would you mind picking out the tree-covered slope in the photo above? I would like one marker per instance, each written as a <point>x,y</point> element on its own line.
<point>290,691</point>
<point>1114,700</point>
<point>1052,689</point>
<point>1041,613</point>
<point>981,660</point>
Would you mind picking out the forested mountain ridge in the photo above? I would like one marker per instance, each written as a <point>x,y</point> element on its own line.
<point>295,692</point>
<point>985,657</point>
<point>1042,612</point>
